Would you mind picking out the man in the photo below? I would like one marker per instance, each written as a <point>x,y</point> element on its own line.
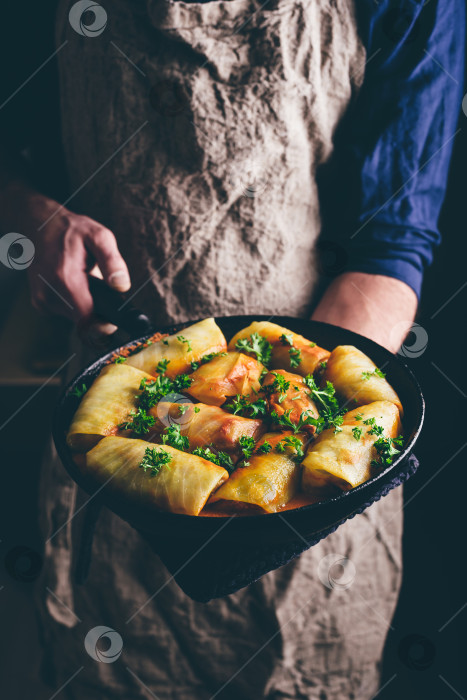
<point>193,135</point>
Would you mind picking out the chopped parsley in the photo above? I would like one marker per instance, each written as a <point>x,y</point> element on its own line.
<point>358,416</point>
<point>119,359</point>
<point>183,408</point>
<point>295,443</point>
<point>154,460</point>
<point>182,339</point>
<point>240,405</point>
<point>197,409</point>
<point>280,385</point>
<point>174,438</point>
<point>376,372</point>
<point>312,345</point>
<point>79,391</point>
<point>285,421</point>
<point>357,433</point>
<point>387,449</point>
<point>152,391</point>
<point>222,459</point>
<point>165,341</point>
<point>376,430</point>
<point>257,345</point>
<point>294,353</point>
<point>295,357</point>
<point>162,366</point>
<point>265,448</point>
<point>323,364</point>
<point>247,446</point>
<point>140,422</point>
<point>206,358</point>
<point>328,405</point>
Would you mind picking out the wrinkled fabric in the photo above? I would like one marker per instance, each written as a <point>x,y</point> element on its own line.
<point>209,185</point>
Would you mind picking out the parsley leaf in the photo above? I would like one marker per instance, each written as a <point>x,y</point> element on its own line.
<point>162,366</point>
<point>154,460</point>
<point>182,339</point>
<point>305,419</point>
<point>240,405</point>
<point>222,459</point>
<point>119,359</point>
<point>174,438</point>
<point>79,392</point>
<point>257,345</point>
<point>357,433</point>
<point>376,372</point>
<point>295,357</point>
<point>247,446</point>
<point>140,422</point>
<point>265,448</point>
<point>387,449</point>
<point>197,409</point>
<point>206,358</point>
<point>286,339</point>
<point>295,443</point>
<point>328,405</point>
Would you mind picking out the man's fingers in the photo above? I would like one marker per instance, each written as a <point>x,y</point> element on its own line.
<point>103,246</point>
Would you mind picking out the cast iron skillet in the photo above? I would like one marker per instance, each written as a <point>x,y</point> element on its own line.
<point>263,528</point>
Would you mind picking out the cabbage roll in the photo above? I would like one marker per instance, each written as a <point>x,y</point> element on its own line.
<point>207,425</point>
<point>182,485</point>
<point>106,403</point>
<point>289,350</point>
<point>344,458</point>
<point>354,378</point>
<point>225,376</point>
<point>288,392</point>
<point>181,349</point>
<point>269,481</point>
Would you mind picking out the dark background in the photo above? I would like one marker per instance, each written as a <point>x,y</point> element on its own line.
<point>425,653</point>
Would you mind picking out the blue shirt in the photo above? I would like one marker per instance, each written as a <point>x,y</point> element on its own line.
<point>400,134</point>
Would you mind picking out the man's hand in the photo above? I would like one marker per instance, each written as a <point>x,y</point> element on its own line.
<point>67,246</point>
<point>378,307</point>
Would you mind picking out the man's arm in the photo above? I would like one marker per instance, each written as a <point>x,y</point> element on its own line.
<point>378,307</point>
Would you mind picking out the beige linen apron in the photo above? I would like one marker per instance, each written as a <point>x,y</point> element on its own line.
<point>198,129</point>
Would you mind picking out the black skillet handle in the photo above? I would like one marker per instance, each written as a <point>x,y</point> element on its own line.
<point>111,306</point>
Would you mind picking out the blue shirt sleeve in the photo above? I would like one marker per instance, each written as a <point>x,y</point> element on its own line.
<point>401,135</point>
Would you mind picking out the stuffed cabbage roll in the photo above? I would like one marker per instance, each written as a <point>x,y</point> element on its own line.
<point>106,403</point>
<point>344,458</point>
<point>289,350</point>
<point>357,379</point>
<point>181,349</point>
<point>225,376</point>
<point>207,425</point>
<point>287,393</point>
<point>157,475</point>
<point>270,480</point>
